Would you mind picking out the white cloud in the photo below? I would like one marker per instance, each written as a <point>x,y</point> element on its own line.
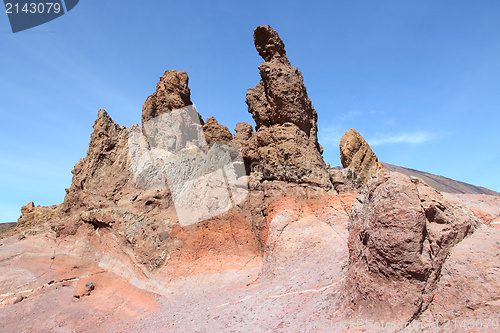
<point>330,135</point>
<point>417,137</point>
<point>350,115</point>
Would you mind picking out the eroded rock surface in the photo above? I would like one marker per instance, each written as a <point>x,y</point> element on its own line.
<point>285,145</point>
<point>215,132</point>
<point>172,92</point>
<point>356,154</point>
<point>103,177</point>
<point>400,233</point>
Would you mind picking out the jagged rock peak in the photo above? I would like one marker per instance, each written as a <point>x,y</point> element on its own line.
<point>172,92</point>
<point>107,155</point>
<point>268,43</point>
<point>356,154</point>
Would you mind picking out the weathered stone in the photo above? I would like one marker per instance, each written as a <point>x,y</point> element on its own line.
<point>243,131</point>
<point>281,95</point>
<point>285,145</point>
<point>400,233</point>
<point>214,132</point>
<point>89,286</point>
<point>99,179</point>
<point>356,154</point>
<point>172,92</point>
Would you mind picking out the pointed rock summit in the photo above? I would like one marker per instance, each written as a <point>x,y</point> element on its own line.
<point>100,178</point>
<point>356,154</point>
<point>285,145</point>
<point>172,92</point>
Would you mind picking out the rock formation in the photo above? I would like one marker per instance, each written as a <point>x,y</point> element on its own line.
<point>107,195</point>
<point>356,154</point>
<point>285,145</point>
<point>215,132</point>
<point>102,178</point>
<point>400,234</point>
<point>116,257</point>
<point>172,92</point>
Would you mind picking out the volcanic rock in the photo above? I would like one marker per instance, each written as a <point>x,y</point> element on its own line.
<point>243,131</point>
<point>89,286</point>
<point>32,215</point>
<point>214,132</point>
<point>400,233</point>
<point>99,179</point>
<point>469,286</point>
<point>281,95</point>
<point>356,154</point>
<point>284,146</point>
<point>172,92</point>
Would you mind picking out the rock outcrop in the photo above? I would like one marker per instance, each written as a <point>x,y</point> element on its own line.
<point>215,132</point>
<point>400,233</point>
<point>116,192</point>
<point>172,92</point>
<point>356,154</point>
<point>285,145</point>
<point>102,178</point>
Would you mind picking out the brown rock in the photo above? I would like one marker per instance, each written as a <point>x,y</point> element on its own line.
<point>469,286</point>
<point>284,152</point>
<point>36,216</point>
<point>285,146</point>
<point>281,95</point>
<point>356,154</point>
<point>400,233</point>
<point>243,131</point>
<point>28,208</point>
<point>214,132</point>
<point>268,43</point>
<point>172,92</point>
<point>100,177</point>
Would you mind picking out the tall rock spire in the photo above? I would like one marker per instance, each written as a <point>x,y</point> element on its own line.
<point>285,145</point>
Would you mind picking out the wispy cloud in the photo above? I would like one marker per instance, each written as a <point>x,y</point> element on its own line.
<point>330,135</point>
<point>349,115</point>
<point>417,137</point>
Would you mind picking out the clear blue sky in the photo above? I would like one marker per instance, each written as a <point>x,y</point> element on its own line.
<point>420,80</point>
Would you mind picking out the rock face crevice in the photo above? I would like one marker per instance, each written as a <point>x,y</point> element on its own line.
<point>400,234</point>
<point>285,145</point>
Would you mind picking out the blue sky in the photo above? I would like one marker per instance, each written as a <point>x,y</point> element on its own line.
<point>420,80</point>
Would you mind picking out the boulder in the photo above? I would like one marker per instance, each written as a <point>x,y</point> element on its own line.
<point>400,233</point>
